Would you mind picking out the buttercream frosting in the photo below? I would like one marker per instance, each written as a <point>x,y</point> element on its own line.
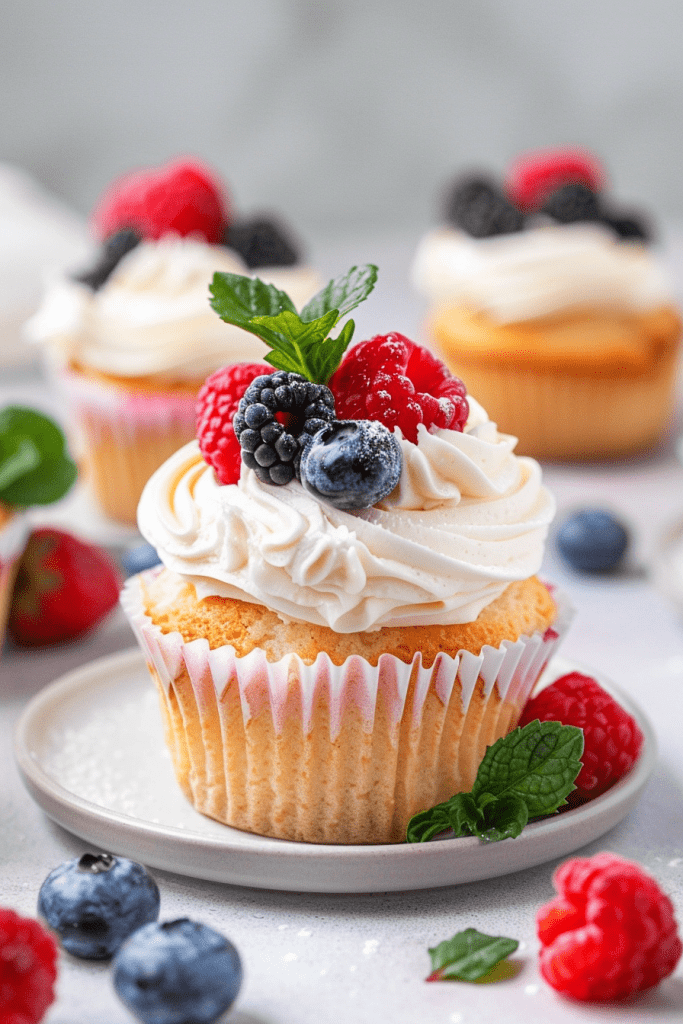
<point>467,518</point>
<point>541,271</point>
<point>152,316</point>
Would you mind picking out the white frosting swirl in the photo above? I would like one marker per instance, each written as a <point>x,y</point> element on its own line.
<point>546,269</point>
<point>467,518</point>
<point>152,316</point>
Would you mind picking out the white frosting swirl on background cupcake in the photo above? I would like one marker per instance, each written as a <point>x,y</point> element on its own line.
<point>152,316</point>
<point>467,519</point>
<point>543,270</point>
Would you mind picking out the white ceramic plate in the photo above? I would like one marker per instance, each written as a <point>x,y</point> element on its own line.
<point>91,753</point>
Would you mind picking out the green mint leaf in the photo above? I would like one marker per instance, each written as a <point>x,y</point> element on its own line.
<point>526,774</point>
<point>298,343</point>
<point>469,955</point>
<point>343,294</point>
<point>504,818</point>
<point>537,763</point>
<point>35,468</point>
<point>459,814</point>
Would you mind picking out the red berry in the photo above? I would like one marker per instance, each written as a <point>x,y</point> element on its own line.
<point>64,587</point>
<point>609,933</point>
<point>216,406</point>
<point>535,175</point>
<point>399,383</point>
<point>28,969</point>
<point>183,197</point>
<point>612,737</point>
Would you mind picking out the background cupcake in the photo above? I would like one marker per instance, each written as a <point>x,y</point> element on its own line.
<point>550,301</point>
<point>131,340</point>
<point>334,654</point>
<point>34,470</point>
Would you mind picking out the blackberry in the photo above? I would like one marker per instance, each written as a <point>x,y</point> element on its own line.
<point>271,448</point>
<point>261,242</point>
<point>627,227</point>
<point>112,252</point>
<point>573,202</point>
<point>477,205</point>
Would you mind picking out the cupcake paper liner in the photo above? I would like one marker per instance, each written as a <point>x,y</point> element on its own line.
<point>13,537</point>
<point>332,753</point>
<point>124,435</point>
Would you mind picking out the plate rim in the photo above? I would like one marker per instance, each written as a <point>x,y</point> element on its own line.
<point>60,804</point>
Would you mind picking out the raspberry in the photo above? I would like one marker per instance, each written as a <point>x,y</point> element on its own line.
<point>612,738</point>
<point>533,176</point>
<point>399,383</point>
<point>28,969</point>
<point>181,197</point>
<point>217,404</point>
<point>609,933</point>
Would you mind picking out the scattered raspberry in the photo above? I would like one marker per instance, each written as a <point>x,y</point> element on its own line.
<point>533,176</point>
<point>217,403</point>
<point>181,197</point>
<point>399,383</point>
<point>28,969</point>
<point>609,933</point>
<point>612,738</point>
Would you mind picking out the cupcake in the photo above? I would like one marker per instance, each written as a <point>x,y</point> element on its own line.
<point>131,340</point>
<point>552,304</point>
<point>34,470</point>
<point>346,619</point>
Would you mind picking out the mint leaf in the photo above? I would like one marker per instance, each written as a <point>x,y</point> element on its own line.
<point>526,774</point>
<point>343,294</point>
<point>469,955</point>
<point>298,343</point>
<point>537,763</point>
<point>34,466</point>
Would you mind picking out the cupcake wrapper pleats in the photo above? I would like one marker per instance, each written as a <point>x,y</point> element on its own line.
<point>332,753</point>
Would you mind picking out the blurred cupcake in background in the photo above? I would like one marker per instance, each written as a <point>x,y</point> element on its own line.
<point>35,469</point>
<point>550,300</point>
<point>131,339</point>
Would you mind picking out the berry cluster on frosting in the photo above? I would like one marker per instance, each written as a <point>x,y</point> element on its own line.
<point>319,414</point>
<point>565,185</point>
<point>185,199</point>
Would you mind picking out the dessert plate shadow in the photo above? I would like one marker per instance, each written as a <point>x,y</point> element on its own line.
<point>91,753</point>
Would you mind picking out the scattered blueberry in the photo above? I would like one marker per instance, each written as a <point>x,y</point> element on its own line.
<point>113,250</point>
<point>139,558</point>
<point>94,903</point>
<point>352,464</point>
<point>177,972</point>
<point>592,540</point>
<point>477,205</point>
<point>261,242</point>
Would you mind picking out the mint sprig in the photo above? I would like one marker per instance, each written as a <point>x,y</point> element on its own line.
<point>469,955</point>
<point>524,775</point>
<point>299,342</point>
<point>35,468</point>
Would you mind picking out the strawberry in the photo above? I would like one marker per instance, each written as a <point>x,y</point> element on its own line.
<point>63,589</point>
<point>183,197</point>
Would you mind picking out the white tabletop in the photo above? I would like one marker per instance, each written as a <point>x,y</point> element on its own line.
<point>362,959</point>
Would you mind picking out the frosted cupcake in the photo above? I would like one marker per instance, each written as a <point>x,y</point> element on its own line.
<point>339,634</point>
<point>131,340</point>
<point>35,469</point>
<point>554,307</point>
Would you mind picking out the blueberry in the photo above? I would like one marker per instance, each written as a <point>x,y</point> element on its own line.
<point>177,972</point>
<point>94,903</point>
<point>352,464</point>
<point>139,558</point>
<point>592,540</point>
